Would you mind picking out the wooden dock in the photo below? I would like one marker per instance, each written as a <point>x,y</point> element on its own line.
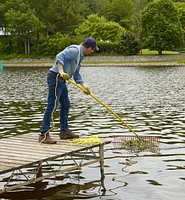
<point>18,153</point>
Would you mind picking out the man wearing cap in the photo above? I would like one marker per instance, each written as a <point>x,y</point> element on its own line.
<point>67,65</point>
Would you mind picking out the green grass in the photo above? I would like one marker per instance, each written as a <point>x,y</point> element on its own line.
<point>148,52</point>
<point>181,61</point>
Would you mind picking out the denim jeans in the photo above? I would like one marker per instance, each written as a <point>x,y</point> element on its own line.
<point>57,93</point>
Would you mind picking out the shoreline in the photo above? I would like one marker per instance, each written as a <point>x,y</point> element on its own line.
<point>101,61</point>
<point>134,64</point>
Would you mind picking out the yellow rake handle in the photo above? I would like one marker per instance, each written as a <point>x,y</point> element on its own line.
<point>79,86</point>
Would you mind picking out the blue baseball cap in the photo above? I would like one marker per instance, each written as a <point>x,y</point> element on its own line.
<point>91,42</point>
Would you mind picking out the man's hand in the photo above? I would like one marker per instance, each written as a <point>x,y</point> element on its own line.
<point>64,76</point>
<point>86,89</point>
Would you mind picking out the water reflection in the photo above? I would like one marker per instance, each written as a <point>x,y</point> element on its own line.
<point>68,190</point>
<point>149,99</point>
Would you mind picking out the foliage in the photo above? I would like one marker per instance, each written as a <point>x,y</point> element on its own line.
<point>128,45</point>
<point>57,43</point>
<point>100,28</point>
<point>94,6</point>
<point>11,44</point>
<point>108,47</point>
<point>136,17</point>
<point>21,20</point>
<point>119,11</point>
<point>44,27</point>
<point>44,12</point>
<point>181,10</point>
<point>6,47</point>
<point>52,45</point>
<point>2,17</point>
<point>67,15</point>
<point>161,27</point>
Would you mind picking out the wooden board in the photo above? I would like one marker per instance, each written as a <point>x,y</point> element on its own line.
<point>20,151</point>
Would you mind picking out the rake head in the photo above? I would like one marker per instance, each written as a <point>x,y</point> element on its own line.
<point>137,144</point>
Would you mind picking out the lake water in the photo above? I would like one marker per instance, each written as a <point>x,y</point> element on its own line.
<point>149,99</point>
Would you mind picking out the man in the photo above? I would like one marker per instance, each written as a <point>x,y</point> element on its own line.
<point>67,64</point>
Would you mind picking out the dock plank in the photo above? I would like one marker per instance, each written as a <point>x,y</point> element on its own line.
<point>22,150</point>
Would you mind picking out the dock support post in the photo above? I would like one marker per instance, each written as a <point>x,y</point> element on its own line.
<point>101,154</point>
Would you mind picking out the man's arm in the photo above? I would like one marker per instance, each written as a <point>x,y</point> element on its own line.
<point>60,68</point>
<point>61,72</point>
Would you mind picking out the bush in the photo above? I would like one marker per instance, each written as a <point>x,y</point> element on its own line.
<point>9,44</point>
<point>107,47</point>
<point>50,46</point>
<point>128,45</point>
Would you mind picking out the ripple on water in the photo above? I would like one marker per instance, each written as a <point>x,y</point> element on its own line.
<point>149,99</point>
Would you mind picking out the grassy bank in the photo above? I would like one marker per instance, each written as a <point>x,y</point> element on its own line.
<point>146,52</point>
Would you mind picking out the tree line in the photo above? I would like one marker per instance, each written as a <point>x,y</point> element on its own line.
<point>121,27</point>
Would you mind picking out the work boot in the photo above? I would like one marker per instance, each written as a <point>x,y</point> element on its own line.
<point>46,139</point>
<point>67,135</point>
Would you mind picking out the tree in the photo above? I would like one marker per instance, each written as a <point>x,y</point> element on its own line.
<point>94,6</point>
<point>181,10</point>
<point>44,11</point>
<point>2,18</point>
<point>100,28</point>
<point>21,21</point>
<point>136,18</point>
<point>161,28</point>
<point>67,15</point>
<point>119,11</point>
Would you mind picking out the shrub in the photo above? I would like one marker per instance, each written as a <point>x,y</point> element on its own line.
<point>128,45</point>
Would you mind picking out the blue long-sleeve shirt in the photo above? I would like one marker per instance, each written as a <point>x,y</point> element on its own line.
<point>70,58</point>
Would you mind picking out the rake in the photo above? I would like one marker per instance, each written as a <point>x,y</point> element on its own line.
<point>126,140</point>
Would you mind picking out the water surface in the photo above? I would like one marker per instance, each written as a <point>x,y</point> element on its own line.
<point>149,99</point>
